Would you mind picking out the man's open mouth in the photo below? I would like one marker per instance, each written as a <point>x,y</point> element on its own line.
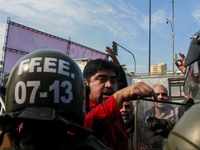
<point>109,93</point>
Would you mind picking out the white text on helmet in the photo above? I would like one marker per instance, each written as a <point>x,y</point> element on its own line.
<point>51,65</point>
<point>21,94</point>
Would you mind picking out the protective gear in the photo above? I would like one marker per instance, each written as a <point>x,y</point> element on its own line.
<point>45,97</point>
<point>160,126</point>
<point>194,50</point>
<point>186,133</point>
<point>49,79</point>
<point>192,62</point>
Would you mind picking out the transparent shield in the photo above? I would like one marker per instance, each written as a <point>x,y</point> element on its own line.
<point>145,138</point>
<point>191,87</point>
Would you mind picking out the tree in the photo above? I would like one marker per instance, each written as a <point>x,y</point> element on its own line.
<point>124,68</point>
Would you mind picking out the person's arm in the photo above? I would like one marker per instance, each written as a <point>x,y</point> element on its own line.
<point>135,91</point>
<point>121,79</point>
<point>112,56</point>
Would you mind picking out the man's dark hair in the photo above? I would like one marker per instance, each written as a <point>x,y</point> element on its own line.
<point>96,65</point>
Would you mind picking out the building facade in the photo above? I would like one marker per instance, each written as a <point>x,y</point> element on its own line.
<point>158,69</point>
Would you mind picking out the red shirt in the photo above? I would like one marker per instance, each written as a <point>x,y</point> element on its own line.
<point>107,124</point>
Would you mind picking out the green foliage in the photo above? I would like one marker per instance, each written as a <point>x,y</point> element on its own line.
<point>124,68</point>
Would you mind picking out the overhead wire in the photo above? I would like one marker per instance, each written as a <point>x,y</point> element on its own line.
<point>187,32</point>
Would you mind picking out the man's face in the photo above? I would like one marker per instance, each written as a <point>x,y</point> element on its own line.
<point>161,95</point>
<point>127,112</point>
<point>102,85</point>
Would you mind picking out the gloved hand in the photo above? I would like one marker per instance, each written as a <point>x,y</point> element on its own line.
<point>160,127</point>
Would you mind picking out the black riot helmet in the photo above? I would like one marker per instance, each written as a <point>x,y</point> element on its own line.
<point>192,62</point>
<point>44,80</point>
<point>45,100</point>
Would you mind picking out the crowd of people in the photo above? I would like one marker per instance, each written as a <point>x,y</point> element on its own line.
<point>45,105</point>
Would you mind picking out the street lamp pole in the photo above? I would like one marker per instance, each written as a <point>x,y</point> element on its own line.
<point>172,34</point>
<point>132,55</point>
<point>149,36</point>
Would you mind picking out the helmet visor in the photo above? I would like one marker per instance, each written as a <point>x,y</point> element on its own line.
<point>191,87</point>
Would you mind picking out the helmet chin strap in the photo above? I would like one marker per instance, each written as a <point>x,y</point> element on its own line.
<point>87,98</point>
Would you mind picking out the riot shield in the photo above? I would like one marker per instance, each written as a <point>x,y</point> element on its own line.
<point>146,139</point>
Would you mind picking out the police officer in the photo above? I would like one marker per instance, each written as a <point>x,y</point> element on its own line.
<point>186,133</point>
<point>45,105</point>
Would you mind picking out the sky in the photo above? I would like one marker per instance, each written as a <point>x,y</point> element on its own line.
<point>97,23</point>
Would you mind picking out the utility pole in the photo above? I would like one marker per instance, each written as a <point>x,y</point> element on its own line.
<point>172,34</point>
<point>149,35</point>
